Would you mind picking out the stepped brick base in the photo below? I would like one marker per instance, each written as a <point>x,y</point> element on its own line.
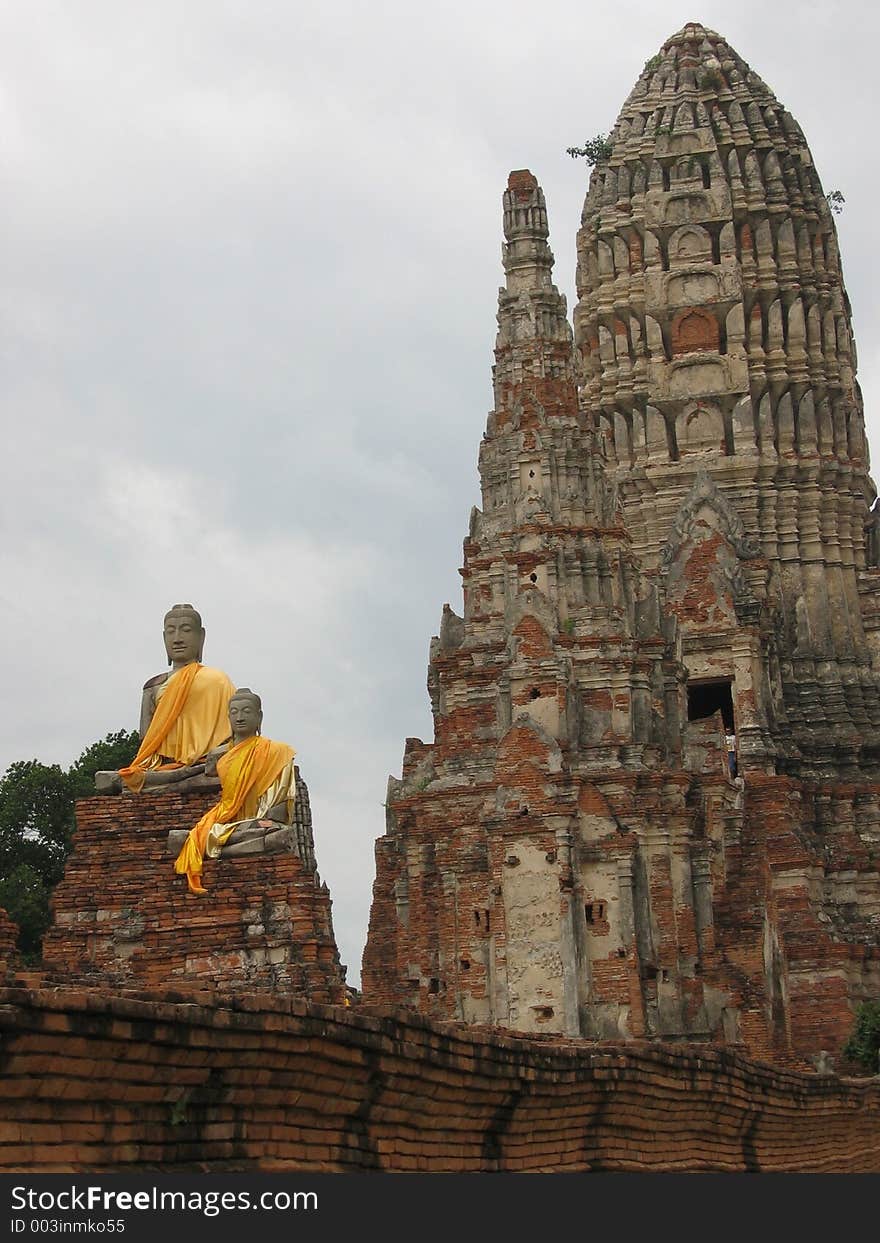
<point>122,917</point>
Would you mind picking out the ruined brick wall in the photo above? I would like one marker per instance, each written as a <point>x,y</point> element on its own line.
<point>655,908</point>
<point>122,917</point>
<point>821,927</point>
<point>97,1082</point>
<point>8,940</point>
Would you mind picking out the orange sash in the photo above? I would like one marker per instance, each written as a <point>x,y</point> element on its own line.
<point>168,709</point>
<point>246,770</point>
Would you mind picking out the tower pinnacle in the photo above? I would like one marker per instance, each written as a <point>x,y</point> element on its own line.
<point>715,337</point>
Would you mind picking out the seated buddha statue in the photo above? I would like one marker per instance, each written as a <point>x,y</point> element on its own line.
<point>184,713</point>
<point>257,788</point>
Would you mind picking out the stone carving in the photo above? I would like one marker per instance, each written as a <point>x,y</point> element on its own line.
<point>257,794</point>
<point>745,313</point>
<point>183,715</point>
<point>706,492</point>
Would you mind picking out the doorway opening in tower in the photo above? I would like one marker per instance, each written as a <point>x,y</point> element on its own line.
<point>708,697</point>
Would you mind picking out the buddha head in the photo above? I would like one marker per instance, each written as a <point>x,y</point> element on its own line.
<point>245,714</point>
<point>184,635</point>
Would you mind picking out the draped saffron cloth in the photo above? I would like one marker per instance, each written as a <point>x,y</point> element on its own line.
<point>191,718</point>
<point>247,771</point>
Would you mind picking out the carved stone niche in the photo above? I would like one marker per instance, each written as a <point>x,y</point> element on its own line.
<point>705,492</point>
<point>690,244</point>
<point>695,331</point>
<point>702,563</point>
<point>699,428</point>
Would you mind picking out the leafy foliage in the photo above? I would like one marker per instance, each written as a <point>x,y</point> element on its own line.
<point>594,150</point>
<point>863,1045</point>
<point>835,201</point>
<point>24,895</point>
<point>36,827</point>
<point>35,818</point>
<point>114,751</point>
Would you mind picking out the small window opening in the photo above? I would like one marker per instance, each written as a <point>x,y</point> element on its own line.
<point>706,698</point>
<point>531,474</point>
<point>665,178</point>
<point>533,578</point>
<point>434,986</point>
<point>465,964</point>
<point>707,180</point>
<point>481,920</point>
<point>534,693</point>
<point>594,912</point>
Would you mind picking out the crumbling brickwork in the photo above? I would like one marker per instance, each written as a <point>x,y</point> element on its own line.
<point>650,807</point>
<point>97,1082</point>
<point>8,950</point>
<point>121,917</point>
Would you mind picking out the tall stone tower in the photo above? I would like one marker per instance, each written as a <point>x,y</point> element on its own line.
<point>651,807</point>
<point>509,888</point>
<point>716,353</point>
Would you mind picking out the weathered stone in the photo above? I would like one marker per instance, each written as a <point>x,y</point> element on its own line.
<point>764,567</point>
<point>651,804</point>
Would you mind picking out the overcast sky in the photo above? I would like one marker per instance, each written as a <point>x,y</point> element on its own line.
<point>250,260</point>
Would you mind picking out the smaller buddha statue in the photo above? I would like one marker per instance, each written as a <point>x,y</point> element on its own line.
<point>257,789</point>
<point>184,713</point>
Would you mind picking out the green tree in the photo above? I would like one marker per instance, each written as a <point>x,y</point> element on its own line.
<point>594,150</point>
<point>24,895</point>
<point>36,807</point>
<point>114,751</point>
<point>863,1045</point>
<point>36,829</point>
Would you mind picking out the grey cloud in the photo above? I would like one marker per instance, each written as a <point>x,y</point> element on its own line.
<point>250,259</point>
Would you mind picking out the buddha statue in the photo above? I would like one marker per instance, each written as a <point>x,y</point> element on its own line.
<point>184,713</point>
<point>257,789</point>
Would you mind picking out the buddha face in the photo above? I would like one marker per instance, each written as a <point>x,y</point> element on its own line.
<point>183,639</point>
<point>245,717</point>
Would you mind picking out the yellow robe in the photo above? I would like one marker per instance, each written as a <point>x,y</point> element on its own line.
<point>248,771</point>
<point>191,718</point>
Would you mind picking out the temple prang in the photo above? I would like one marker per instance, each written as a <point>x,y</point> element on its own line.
<point>714,341</point>
<point>650,807</point>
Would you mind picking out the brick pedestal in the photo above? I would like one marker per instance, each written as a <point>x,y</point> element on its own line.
<point>122,918</point>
